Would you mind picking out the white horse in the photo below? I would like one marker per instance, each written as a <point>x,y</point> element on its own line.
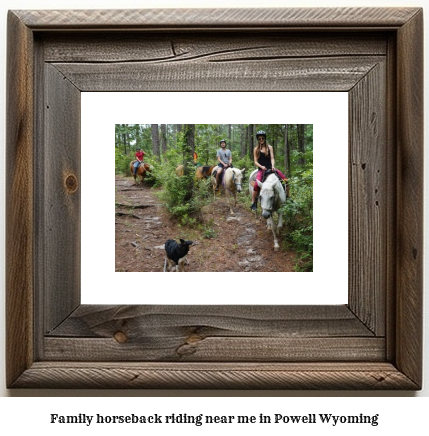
<point>232,178</point>
<point>272,196</point>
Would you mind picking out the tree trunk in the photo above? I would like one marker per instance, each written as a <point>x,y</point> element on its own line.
<point>251,129</point>
<point>301,143</point>
<point>125,138</point>
<point>190,139</point>
<point>155,140</point>
<point>178,130</point>
<point>188,153</point>
<point>137,133</point>
<point>164,137</point>
<point>287,153</point>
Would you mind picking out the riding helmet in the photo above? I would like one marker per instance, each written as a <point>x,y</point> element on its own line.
<point>222,140</point>
<point>261,133</point>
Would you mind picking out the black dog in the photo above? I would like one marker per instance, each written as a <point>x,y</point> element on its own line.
<point>176,253</point>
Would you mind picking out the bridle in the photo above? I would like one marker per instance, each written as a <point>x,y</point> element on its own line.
<point>233,179</point>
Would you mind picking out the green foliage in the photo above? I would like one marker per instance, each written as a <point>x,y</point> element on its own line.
<point>207,137</point>
<point>174,194</point>
<point>298,215</point>
<point>209,232</point>
<point>122,163</point>
<point>175,189</point>
<point>243,162</point>
<point>155,177</point>
<point>184,198</point>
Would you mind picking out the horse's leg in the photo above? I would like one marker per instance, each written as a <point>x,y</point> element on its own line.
<point>270,223</point>
<point>256,210</point>
<point>274,230</point>
<point>280,223</point>
<point>228,199</point>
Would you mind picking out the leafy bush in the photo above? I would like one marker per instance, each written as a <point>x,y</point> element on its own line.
<point>298,215</point>
<point>122,163</point>
<point>183,197</point>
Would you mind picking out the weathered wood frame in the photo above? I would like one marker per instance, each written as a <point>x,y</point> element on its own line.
<point>374,342</point>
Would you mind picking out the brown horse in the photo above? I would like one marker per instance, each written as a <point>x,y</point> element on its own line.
<point>201,172</point>
<point>141,171</point>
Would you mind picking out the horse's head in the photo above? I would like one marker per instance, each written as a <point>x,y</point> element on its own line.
<point>147,167</point>
<point>237,177</point>
<point>268,196</point>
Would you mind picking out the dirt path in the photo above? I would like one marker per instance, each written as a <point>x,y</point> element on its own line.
<point>225,243</point>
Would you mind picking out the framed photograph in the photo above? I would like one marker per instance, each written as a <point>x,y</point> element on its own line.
<point>373,341</point>
<point>225,243</point>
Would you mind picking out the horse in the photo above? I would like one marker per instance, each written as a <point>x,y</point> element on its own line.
<point>232,178</point>
<point>141,171</point>
<point>201,172</point>
<point>272,197</point>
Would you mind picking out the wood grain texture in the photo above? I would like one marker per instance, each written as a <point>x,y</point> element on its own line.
<point>179,348</point>
<point>219,18</point>
<point>325,74</point>
<point>192,347</point>
<point>410,198</point>
<point>249,376</point>
<point>213,334</point>
<point>171,47</point>
<point>61,207</point>
<point>99,321</point>
<point>19,200</point>
<point>368,202</point>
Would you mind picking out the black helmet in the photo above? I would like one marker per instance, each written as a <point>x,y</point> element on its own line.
<point>222,140</point>
<point>261,133</point>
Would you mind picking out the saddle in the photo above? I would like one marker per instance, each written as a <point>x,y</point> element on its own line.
<point>264,177</point>
<point>269,172</point>
<point>215,173</point>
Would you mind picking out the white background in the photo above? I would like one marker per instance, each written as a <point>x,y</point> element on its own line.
<point>399,413</point>
<point>326,285</point>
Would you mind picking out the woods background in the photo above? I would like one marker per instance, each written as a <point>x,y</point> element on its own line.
<point>169,145</point>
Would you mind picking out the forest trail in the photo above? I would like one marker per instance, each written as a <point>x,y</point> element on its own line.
<point>237,243</point>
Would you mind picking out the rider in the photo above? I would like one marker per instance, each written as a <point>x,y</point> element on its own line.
<point>224,157</point>
<point>263,156</point>
<point>139,156</point>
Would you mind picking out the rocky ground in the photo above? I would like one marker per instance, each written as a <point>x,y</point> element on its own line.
<point>221,242</point>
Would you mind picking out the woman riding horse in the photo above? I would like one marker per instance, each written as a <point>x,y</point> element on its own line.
<point>263,156</point>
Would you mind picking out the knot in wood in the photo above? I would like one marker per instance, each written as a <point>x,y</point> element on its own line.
<point>71,183</point>
<point>120,337</point>
<point>193,338</point>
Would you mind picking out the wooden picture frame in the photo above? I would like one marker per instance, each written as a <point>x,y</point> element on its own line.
<point>373,342</point>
